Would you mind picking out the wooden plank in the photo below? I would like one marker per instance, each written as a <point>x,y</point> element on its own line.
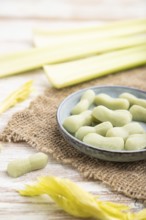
<point>63,9</point>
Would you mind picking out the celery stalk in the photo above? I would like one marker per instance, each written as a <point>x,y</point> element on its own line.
<point>17,96</point>
<point>34,58</point>
<point>92,27</point>
<point>67,74</point>
<point>49,39</point>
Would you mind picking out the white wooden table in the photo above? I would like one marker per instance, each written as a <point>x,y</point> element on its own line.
<point>17,19</point>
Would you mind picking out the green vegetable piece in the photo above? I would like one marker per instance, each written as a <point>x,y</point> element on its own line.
<point>85,102</point>
<point>136,142</point>
<point>107,143</point>
<point>38,161</point>
<point>126,130</point>
<point>133,100</point>
<point>138,113</point>
<point>134,127</point>
<point>74,122</point>
<point>19,167</point>
<point>99,129</point>
<point>117,132</point>
<point>112,103</point>
<point>116,117</point>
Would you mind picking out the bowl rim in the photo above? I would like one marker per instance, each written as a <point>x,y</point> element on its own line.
<point>81,142</point>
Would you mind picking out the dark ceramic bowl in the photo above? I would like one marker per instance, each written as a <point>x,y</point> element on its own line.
<point>109,155</point>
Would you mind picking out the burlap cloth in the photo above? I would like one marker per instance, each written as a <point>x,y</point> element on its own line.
<point>37,126</point>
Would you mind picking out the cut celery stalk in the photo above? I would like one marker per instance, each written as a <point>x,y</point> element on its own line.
<point>42,38</point>
<point>34,58</point>
<point>67,74</point>
<point>19,95</point>
<point>91,27</point>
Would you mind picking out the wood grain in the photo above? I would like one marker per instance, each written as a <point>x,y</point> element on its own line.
<point>73,9</point>
<point>17,19</point>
